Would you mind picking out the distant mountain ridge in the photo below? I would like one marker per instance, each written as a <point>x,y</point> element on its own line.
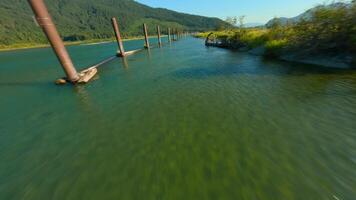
<point>90,19</point>
<point>307,15</point>
<point>252,25</point>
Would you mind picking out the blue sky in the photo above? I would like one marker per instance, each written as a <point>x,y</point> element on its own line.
<point>255,10</point>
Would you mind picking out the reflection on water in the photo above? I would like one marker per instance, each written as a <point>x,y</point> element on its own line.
<point>125,63</point>
<point>84,98</point>
<point>180,122</point>
<point>148,51</point>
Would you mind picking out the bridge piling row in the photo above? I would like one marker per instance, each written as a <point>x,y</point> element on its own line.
<point>45,21</point>
<point>121,52</point>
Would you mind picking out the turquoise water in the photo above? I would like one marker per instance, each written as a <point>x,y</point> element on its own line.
<point>180,122</point>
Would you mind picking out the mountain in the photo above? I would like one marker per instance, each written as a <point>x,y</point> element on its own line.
<point>253,25</point>
<point>90,19</point>
<point>304,16</point>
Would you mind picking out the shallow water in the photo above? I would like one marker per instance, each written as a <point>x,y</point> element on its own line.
<point>180,122</point>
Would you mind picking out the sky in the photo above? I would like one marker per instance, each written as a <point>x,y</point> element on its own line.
<point>256,11</point>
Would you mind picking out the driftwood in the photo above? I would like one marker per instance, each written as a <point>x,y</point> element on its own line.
<point>209,41</point>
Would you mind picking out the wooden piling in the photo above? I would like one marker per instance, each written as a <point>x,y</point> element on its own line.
<point>118,37</point>
<point>147,43</point>
<point>45,21</point>
<point>169,35</point>
<point>159,36</point>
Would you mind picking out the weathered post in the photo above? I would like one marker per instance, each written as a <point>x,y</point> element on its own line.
<point>45,21</point>
<point>147,43</point>
<point>118,37</point>
<point>169,35</point>
<point>159,36</point>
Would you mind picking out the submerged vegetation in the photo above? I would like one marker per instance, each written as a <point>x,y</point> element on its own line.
<point>329,31</point>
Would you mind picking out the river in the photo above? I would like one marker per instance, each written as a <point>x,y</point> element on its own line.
<point>179,122</point>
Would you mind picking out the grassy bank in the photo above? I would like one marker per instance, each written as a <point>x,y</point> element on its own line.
<point>39,45</point>
<point>330,33</point>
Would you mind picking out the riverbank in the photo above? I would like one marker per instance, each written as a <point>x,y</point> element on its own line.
<point>327,37</point>
<point>258,42</point>
<point>20,46</point>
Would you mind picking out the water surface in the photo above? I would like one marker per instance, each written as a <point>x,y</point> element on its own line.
<point>180,122</point>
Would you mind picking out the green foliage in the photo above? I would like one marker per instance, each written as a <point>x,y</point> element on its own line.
<point>90,19</point>
<point>331,29</point>
<point>231,20</point>
<point>273,47</point>
<point>252,37</point>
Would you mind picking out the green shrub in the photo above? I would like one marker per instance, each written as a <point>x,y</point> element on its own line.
<point>273,47</point>
<point>331,29</point>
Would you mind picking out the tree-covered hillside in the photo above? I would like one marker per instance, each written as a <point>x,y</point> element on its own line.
<point>90,19</point>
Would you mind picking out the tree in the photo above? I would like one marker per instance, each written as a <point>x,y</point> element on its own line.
<point>231,20</point>
<point>241,20</point>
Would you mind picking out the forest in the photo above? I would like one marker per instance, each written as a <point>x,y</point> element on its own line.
<point>90,19</point>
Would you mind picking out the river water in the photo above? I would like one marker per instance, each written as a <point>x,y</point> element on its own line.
<point>181,122</point>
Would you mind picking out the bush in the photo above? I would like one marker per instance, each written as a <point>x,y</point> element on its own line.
<point>330,29</point>
<point>274,47</point>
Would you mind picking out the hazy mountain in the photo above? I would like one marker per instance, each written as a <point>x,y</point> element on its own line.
<point>251,25</point>
<point>87,19</point>
<point>304,16</point>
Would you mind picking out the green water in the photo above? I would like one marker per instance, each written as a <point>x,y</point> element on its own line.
<point>181,122</point>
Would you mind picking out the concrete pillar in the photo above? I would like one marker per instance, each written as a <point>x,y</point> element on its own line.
<point>118,36</point>
<point>147,43</point>
<point>45,21</point>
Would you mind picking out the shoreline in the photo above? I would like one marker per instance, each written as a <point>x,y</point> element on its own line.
<point>37,46</point>
<point>84,42</point>
<point>338,60</point>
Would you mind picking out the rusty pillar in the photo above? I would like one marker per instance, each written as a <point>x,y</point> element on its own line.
<point>169,35</point>
<point>45,21</point>
<point>118,37</point>
<point>159,36</point>
<point>147,43</point>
